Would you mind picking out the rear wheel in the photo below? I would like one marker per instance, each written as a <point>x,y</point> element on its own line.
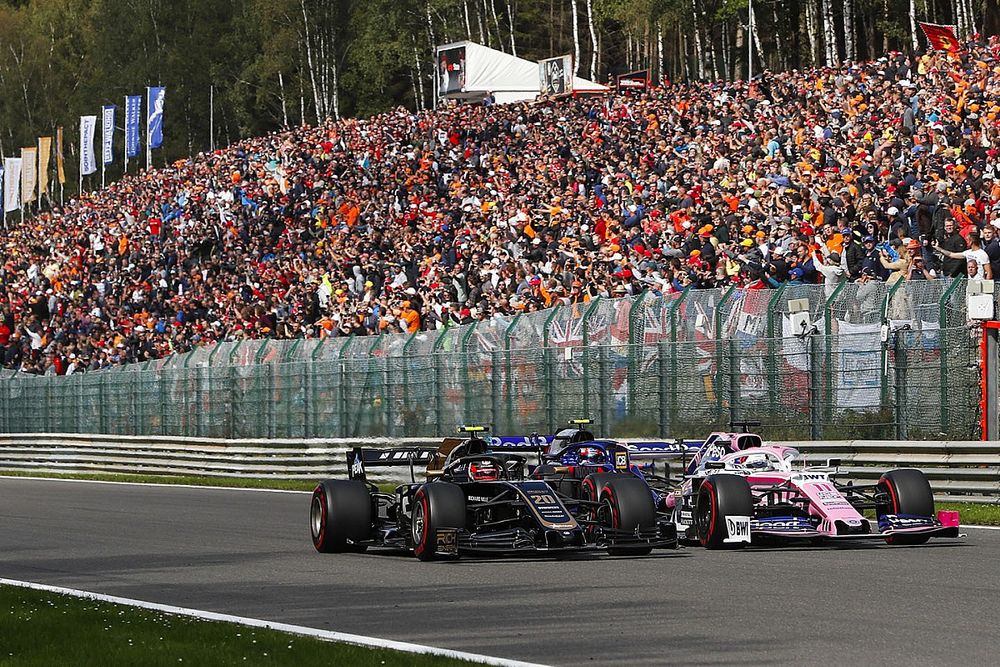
<point>436,505</point>
<point>340,515</point>
<point>721,496</point>
<point>908,493</point>
<point>627,505</point>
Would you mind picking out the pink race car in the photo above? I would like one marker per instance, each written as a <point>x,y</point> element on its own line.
<point>737,491</point>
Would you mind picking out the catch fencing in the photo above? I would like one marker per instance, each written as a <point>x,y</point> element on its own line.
<point>670,366</point>
<point>964,471</point>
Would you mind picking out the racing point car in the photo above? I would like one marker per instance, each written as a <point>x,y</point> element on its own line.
<point>738,491</point>
<point>476,500</point>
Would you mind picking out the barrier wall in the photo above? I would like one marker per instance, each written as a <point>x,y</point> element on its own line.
<point>671,366</point>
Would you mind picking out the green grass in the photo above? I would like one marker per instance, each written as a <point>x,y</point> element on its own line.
<point>973,514</point>
<point>42,628</point>
<point>227,482</point>
<point>223,482</point>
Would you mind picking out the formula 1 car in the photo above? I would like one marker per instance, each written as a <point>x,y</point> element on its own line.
<point>738,491</point>
<point>478,500</point>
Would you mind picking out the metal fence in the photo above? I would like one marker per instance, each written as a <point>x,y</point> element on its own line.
<point>963,471</point>
<point>673,365</point>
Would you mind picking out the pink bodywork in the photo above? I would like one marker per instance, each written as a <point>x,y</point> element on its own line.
<point>826,502</point>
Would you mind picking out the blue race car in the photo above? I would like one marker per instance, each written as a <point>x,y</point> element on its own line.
<point>578,466</point>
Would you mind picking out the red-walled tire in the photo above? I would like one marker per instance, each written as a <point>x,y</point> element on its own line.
<point>627,504</point>
<point>910,493</point>
<point>721,496</point>
<point>590,489</point>
<point>339,515</point>
<point>435,505</point>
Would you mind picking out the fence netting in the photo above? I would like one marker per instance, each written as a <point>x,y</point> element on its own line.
<point>869,361</point>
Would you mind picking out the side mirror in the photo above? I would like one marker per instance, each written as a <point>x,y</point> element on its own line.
<point>833,463</point>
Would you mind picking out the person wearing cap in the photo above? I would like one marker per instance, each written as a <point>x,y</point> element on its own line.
<point>833,273</point>
<point>409,318</point>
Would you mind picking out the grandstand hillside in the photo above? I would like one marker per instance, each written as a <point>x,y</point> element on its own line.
<point>406,221</point>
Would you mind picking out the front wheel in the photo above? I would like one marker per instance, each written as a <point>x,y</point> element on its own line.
<point>720,497</point>
<point>436,505</point>
<point>908,493</point>
<point>626,507</point>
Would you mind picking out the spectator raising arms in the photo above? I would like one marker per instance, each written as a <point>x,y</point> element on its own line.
<point>410,221</point>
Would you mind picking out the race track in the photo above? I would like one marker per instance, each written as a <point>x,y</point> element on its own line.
<point>248,553</point>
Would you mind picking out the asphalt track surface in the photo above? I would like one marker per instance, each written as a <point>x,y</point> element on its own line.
<point>248,553</point>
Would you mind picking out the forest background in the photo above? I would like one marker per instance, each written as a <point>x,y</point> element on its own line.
<point>264,64</point>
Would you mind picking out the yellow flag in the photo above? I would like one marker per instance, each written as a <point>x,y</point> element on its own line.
<point>44,151</point>
<point>28,174</point>
<point>59,156</point>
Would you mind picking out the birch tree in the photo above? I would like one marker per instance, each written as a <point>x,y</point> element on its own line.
<point>593,40</point>
<point>576,38</point>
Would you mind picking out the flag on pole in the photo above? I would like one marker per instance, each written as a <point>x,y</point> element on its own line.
<point>60,171</point>
<point>108,134</point>
<point>88,163</point>
<point>133,115</point>
<point>154,116</point>
<point>44,152</point>
<point>941,37</point>
<point>29,174</point>
<point>11,184</point>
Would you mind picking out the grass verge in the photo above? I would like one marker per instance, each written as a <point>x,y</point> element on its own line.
<point>42,628</point>
<point>225,482</point>
<point>971,513</point>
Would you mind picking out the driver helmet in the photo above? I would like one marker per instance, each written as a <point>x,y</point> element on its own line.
<point>755,461</point>
<point>591,455</point>
<point>484,471</point>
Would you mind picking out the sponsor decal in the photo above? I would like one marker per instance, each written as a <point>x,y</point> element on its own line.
<point>404,455</point>
<point>782,523</point>
<point>357,467</point>
<point>621,460</point>
<point>738,528</point>
<point>447,541</point>
<point>887,521</point>
<point>479,499</point>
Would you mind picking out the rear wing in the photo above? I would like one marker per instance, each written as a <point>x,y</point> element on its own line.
<point>361,458</point>
<point>519,443</point>
<point>655,449</point>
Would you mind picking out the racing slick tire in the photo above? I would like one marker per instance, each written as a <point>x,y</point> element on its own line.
<point>721,496</point>
<point>590,490</point>
<point>341,510</point>
<point>909,492</point>
<point>626,504</point>
<point>436,505</point>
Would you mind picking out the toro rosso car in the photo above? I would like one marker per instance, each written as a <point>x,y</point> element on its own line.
<point>737,491</point>
<point>579,466</point>
<point>476,500</point>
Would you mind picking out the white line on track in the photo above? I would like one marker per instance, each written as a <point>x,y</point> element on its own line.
<point>358,640</point>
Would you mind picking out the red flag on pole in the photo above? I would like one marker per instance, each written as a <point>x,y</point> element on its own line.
<point>940,37</point>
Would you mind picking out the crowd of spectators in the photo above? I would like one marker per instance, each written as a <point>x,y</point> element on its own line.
<point>407,221</point>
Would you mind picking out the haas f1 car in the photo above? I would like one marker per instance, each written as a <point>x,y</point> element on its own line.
<point>477,500</point>
<point>737,491</point>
